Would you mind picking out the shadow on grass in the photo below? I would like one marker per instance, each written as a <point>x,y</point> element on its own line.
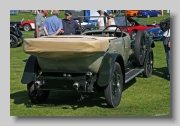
<point>62,99</point>
<point>161,72</point>
<point>129,84</point>
<point>66,100</point>
<point>24,60</point>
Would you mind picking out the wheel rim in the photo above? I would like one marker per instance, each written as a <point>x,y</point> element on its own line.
<point>12,41</point>
<point>26,28</point>
<point>116,86</point>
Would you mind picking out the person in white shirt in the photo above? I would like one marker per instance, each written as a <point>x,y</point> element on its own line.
<point>166,43</point>
<point>102,21</point>
<point>111,22</point>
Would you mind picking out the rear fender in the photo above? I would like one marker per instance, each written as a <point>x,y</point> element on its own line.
<point>106,68</point>
<point>30,70</point>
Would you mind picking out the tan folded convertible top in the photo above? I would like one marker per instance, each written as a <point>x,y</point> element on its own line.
<point>66,46</point>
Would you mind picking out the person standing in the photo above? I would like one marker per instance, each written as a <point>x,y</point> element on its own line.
<point>53,25</point>
<point>102,20</point>
<point>39,23</point>
<point>69,24</point>
<point>111,22</point>
<point>166,43</point>
<point>154,23</point>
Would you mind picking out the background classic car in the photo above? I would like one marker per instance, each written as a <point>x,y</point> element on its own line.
<point>16,36</point>
<point>157,33</point>
<point>149,13</point>
<point>28,25</point>
<point>134,26</point>
<point>132,13</point>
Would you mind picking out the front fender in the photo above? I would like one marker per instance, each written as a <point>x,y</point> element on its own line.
<point>150,43</point>
<point>30,70</point>
<point>106,68</point>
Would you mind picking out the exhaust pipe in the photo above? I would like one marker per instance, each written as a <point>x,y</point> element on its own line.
<point>76,85</point>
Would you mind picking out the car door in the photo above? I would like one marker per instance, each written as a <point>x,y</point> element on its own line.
<point>152,12</point>
<point>118,45</point>
<point>127,44</point>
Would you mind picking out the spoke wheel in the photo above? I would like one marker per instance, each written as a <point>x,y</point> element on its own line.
<point>27,27</point>
<point>140,48</point>
<point>35,95</point>
<point>113,90</point>
<point>149,65</point>
<point>13,41</point>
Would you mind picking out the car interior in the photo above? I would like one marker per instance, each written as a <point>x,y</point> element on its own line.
<point>107,34</point>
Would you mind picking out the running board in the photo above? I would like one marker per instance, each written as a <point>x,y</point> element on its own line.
<point>132,73</point>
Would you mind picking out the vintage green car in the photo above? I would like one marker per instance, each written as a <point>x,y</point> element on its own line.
<point>98,60</point>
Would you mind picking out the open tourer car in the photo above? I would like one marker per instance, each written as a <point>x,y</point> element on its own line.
<point>95,61</point>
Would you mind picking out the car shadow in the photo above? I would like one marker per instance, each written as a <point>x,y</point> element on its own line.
<point>66,100</point>
<point>161,72</point>
<point>62,99</point>
<point>129,84</point>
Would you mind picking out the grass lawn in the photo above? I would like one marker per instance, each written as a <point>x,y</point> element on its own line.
<point>141,96</point>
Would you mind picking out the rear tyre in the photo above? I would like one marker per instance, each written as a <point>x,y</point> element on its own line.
<point>37,96</point>
<point>139,48</point>
<point>113,90</point>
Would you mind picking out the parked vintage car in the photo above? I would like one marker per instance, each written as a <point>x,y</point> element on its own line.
<point>156,32</point>
<point>97,60</point>
<point>131,13</point>
<point>134,26</point>
<point>27,25</point>
<point>149,13</point>
<point>16,36</point>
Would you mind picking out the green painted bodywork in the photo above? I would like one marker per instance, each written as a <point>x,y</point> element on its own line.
<point>100,64</point>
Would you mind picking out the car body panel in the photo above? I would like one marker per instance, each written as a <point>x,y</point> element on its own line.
<point>136,27</point>
<point>131,12</point>
<point>31,23</point>
<point>145,13</point>
<point>157,33</point>
<point>105,71</point>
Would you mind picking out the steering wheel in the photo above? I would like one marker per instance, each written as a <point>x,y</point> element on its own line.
<point>103,32</point>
